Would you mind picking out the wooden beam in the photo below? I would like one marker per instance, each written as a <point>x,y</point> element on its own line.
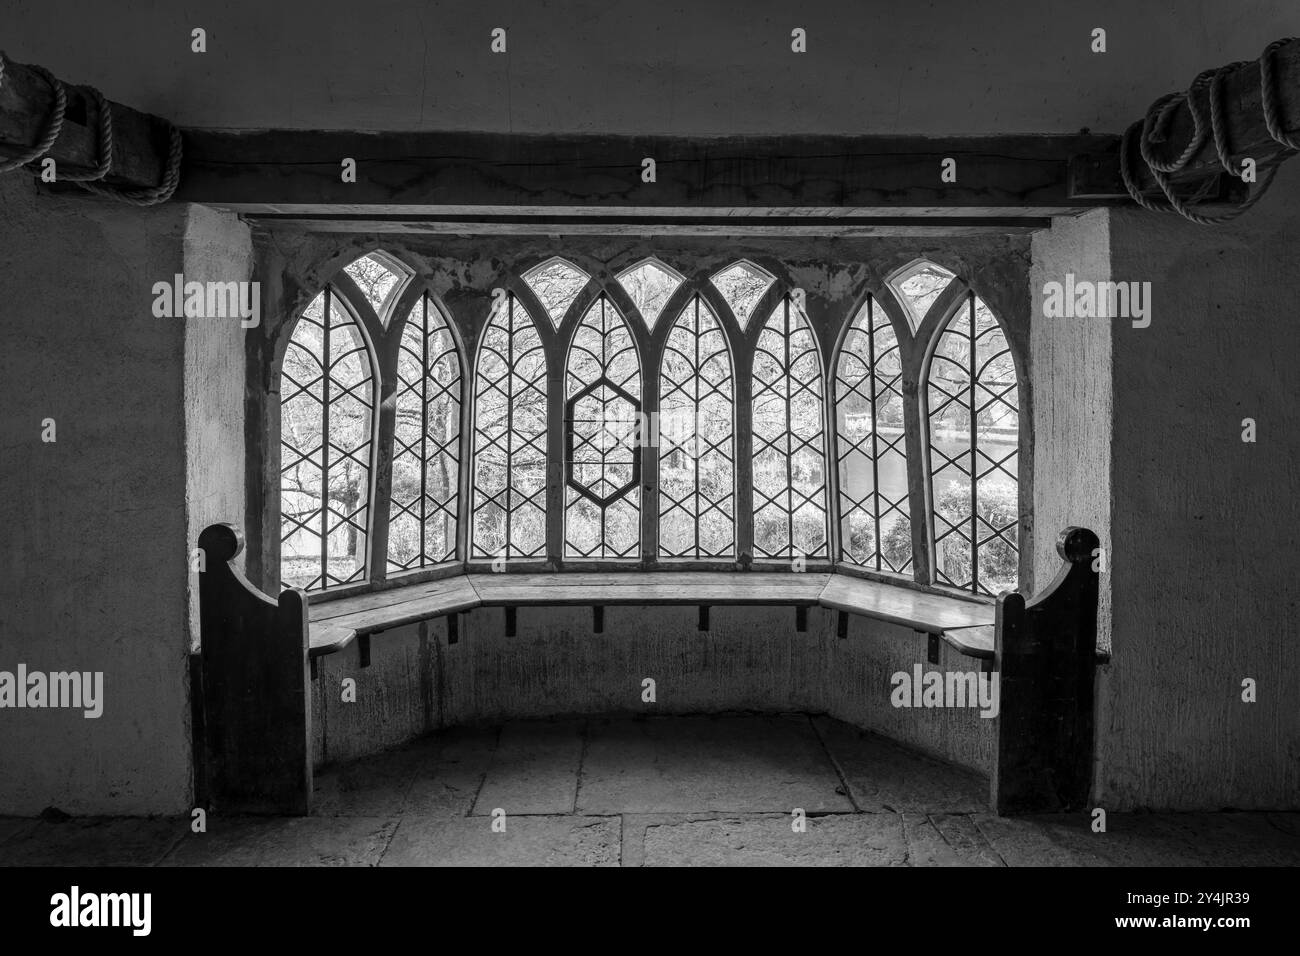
<point>1097,177</point>
<point>916,223</point>
<point>140,141</point>
<point>438,174</point>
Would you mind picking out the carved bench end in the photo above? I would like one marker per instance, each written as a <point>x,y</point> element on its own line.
<point>221,542</point>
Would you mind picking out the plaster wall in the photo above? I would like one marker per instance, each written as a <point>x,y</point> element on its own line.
<point>217,248</point>
<point>701,68</point>
<point>94,523</point>
<point>1139,436</point>
<point>1203,524</point>
<point>1070,366</point>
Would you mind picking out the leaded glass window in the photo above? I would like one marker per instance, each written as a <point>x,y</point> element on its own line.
<point>509,491</point>
<point>426,443</point>
<point>326,439</point>
<point>602,451</point>
<point>742,284</point>
<point>875,519</point>
<point>974,428</point>
<point>697,456</point>
<point>789,438</point>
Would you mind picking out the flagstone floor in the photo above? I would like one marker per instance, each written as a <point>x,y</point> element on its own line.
<point>715,790</point>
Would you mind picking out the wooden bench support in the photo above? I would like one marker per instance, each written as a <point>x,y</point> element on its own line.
<point>1046,656</point>
<point>255,686</point>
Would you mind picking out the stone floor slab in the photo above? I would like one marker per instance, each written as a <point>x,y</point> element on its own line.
<point>447,784</point>
<point>947,840</point>
<point>92,841</point>
<point>286,841</point>
<point>865,839</point>
<point>12,826</point>
<point>1218,839</point>
<point>527,841</point>
<point>372,786</point>
<point>635,826</point>
<point>534,768</point>
<point>883,776</point>
<point>1286,823</point>
<point>693,791</point>
<point>1025,841</point>
<point>702,764</point>
<point>1144,839</point>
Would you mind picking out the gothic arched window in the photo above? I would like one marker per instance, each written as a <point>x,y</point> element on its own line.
<point>973,428</point>
<point>789,438</point>
<point>602,515</point>
<point>425,487</point>
<point>875,519</point>
<point>509,493</point>
<point>697,452</point>
<point>327,415</point>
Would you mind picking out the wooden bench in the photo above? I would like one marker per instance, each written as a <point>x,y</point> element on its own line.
<point>259,655</point>
<point>965,625</point>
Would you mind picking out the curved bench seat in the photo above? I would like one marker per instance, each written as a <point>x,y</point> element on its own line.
<point>965,625</point>
<point>976,641</point>
<point>334,624</point>
<point>252,708</point>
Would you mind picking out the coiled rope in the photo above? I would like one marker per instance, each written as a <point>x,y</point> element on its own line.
<point>53,125</point>
<point>93,181</point>
<point>1153,129</point>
